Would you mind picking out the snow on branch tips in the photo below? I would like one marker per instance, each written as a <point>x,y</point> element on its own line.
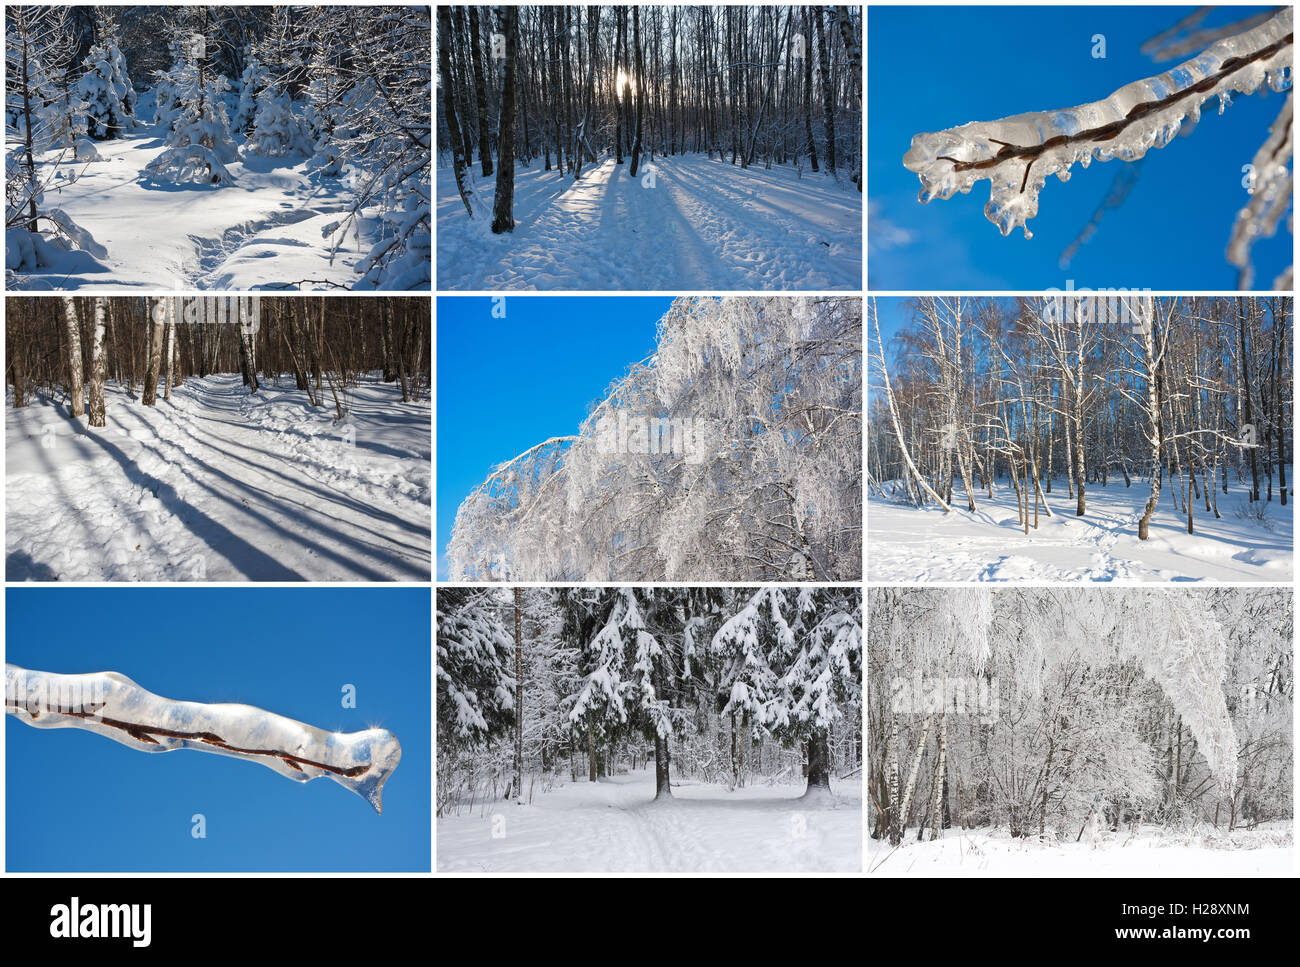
<point>112,705</point>
<point>1017,154</point>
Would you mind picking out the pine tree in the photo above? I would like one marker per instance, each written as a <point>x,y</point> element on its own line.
<point>106,93</point>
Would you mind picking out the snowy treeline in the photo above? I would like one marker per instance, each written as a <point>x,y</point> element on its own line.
<point>722,685</point>
<point>67,348</point>
<point>1047,712</point>
<point>344,88</point>
<point>732,453</point>
<point>1018,154</point>
<point>1185,396</point>
<point>571,84</point>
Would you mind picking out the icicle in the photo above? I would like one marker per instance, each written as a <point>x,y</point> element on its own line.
<point>1016,154</point>
<point>112,705</point>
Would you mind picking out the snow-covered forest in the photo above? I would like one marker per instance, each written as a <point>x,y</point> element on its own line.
<point>732,453</point>
<point>650,147</point>
<point>218,147</point>
<point>1060,731</point>
<point>1067,436</point>
<point>171,439</point>
<point>669,728</point>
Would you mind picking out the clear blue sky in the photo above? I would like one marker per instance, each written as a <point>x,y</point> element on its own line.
<point>76,801</point>
<point>507,384</point>
<point>931,68</point>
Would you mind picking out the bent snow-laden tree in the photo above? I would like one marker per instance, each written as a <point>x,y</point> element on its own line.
<point>1017,154</point>
<point>112,705</point>
<point>714,685</point>
<point>1041,713</point>
<point>993,397</point>
<point>733,453</point>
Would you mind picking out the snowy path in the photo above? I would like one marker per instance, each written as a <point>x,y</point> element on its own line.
<point>264,229</point>
<point>905,544</point>
<point>702,225</point>
<point>615,825</point>
<point>217,485</point>
<point>1264,851</point>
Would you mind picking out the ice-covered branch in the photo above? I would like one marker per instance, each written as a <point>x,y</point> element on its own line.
<point>1270,193</point>
<point>1018,153</point>
<point>112,705</point>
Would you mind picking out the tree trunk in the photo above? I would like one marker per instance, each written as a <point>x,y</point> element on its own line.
<point>98,416</point>
<point>519,698</point>
<point>480,92</point>
<point>819,763</point>
<point>72,324</point>
<point>169,354</point>
<point>828,94</point>
<point>663,790</point>
<point>503,217</point>
<point>640,91</point>
<point>807,89</point>
<point>153,357</point>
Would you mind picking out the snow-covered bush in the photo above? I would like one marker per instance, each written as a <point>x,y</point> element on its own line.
<point>107,93</point>
<point>252,82</point>
<point>49,239</point>
<point>277,133</point>
<point>402,259</point>
<point>199,146</point>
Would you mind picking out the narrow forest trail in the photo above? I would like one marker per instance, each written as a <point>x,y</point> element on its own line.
<point>616,825</point>
<point>684,223</point>
<point>264,228</point>
<point>220,485</point>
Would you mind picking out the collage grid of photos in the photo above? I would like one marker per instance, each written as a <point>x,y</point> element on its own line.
<point>634,440</point>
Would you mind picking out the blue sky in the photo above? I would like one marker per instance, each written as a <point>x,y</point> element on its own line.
<point>507,384</point>
<point>933,68</point>
<point>77,801</point>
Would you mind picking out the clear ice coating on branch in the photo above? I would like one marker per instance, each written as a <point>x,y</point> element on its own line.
<point>1018,153</point>
<point>112,705</point>
<point>1270,193</point>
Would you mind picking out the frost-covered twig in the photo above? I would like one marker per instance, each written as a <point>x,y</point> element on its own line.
<point>113,705</point>
<point>1018,153</point>
<point>1270,193</point>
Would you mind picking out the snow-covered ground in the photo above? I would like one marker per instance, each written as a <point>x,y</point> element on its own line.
<point>1263,851</point>
<point>219,485</point>
<point>615,825</point>
<point>704,224</point>
<point>907,544</point>
<point>266,230</point>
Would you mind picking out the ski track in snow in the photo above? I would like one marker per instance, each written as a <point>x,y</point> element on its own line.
<point>616,825</point>
<point>910,545</point>
<point>704,225</point>
<point>263,230</point>
<point>220,485</point>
